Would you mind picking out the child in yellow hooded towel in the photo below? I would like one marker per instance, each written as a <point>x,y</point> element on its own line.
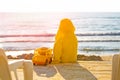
<point>65,46</point>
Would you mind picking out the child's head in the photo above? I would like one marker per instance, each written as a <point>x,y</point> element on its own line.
<point>66,26</point>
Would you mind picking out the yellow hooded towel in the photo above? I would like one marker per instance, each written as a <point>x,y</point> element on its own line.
<point>65,46</point>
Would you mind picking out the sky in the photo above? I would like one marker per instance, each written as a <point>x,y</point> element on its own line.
<point>59,6</point>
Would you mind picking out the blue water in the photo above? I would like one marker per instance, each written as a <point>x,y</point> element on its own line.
<point>97,33</point>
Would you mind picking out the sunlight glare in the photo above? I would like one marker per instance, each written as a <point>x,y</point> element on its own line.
<point>1,45</point>
<point>59,5</point>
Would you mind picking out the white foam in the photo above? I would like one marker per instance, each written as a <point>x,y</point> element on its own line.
<point>15,53</point>
<point>1,45</point>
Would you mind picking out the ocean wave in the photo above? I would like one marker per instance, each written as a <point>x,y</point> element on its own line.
<point>28,35</point>
<point>99,41</point>
<point>37,41</point>
<point>52,35</point>
<point>18,48</point>
<point>18,41</point>
<point>100,49</point>
<point>99,34</point>
<point>87,49</point>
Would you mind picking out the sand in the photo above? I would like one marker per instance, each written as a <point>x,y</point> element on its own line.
<point>82,70</point>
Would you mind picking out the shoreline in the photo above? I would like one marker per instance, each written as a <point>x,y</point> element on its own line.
<point>82,57</point>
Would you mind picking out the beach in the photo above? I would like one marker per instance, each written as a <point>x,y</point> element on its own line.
<point>82,70</point>
<point>98,35</point>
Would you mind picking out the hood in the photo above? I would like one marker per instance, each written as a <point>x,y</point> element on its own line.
<point>65,27</point>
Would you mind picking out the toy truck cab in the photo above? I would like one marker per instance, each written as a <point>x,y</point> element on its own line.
<point>42,56</point>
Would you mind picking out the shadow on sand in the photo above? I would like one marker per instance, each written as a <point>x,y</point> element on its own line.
<point>64,71</point>
<point>45,71</point>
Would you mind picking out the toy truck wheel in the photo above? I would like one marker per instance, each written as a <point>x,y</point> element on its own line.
<point>50,60</point>
<point>33,63</point>
<point>46,62</point>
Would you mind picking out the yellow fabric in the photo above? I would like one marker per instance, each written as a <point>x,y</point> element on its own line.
<point>42,55</point>
<point>65,46</point>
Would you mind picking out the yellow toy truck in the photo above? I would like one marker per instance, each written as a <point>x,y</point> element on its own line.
<point>42,56</point>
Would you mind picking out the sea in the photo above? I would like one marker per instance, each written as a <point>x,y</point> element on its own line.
<point>98,33</point>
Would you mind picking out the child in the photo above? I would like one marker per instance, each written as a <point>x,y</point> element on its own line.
<point>65,46</point>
